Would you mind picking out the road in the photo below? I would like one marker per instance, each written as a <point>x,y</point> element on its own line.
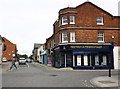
<point>32,75</point>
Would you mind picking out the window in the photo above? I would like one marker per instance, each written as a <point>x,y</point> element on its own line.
<point>64,37</point>
<point>72,19</point>
<point>100,36</point>
<point>104,60</point>
<point>72,36</point>
<point>99,20</point>
<point>96,60</point>
<point>64,20</point>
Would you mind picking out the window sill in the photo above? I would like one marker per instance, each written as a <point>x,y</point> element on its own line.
<point>72,41</point>
<point>65,24</point>
<point>101,42</point>
<point>65,42</point>
<point>72,23</point>
<point>99,24</point>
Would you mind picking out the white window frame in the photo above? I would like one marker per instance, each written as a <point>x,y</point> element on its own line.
<point>64,20</point>
<point>53,43</point>
<point>72,36</point>
<point>64,34</point>
<point>101,35</point>
<point>72,19</point>
<point>100,20</point>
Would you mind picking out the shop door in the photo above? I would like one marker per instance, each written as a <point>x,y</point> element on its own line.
<point>69,60</point>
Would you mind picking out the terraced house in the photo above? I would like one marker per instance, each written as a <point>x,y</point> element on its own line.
<point>85,37</point>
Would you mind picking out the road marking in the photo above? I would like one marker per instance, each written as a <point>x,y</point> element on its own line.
<point>27,65</point>
<point>87,84</point>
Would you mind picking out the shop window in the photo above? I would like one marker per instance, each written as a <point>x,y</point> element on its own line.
<point>96,60</point>
<point>72,36</point>
<point>104,61</point>
<point>100,36</point>
<point>64,20</point>
<point>64,37</point>
<point>100,20</point>
<point>79,60</point>
<point>72,19</point>
<point>85,60</point>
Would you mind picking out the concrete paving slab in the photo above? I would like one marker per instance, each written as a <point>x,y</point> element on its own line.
<point>105,81</point>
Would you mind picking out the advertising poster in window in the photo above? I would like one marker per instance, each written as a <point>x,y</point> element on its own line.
<point>96,60</point>
<point>85,60</point>
<point>79,60</point>
<point>104,60</point>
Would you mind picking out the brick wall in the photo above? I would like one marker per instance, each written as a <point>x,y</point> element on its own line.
<point>10,49</point>
<point>85,19</point>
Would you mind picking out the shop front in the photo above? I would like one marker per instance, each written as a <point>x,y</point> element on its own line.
<point>83,56</point>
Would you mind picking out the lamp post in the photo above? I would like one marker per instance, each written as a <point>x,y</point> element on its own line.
<point>111,48</point>
<point>109,68</point>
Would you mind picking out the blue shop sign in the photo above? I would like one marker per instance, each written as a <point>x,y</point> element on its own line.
<point>82,47</point>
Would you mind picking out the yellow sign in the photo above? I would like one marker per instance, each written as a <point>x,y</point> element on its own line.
<point>77,47</point>
<point>57,48</point>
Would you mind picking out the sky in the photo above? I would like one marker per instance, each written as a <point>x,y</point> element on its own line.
<point>25,22</point>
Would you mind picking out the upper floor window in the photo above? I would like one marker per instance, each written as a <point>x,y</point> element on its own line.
<point>72,19</point>
<point>100,36</point>
<point>72,36</point>
<point>100,20</point>
<point>64,37</point>
<point>64,20</point>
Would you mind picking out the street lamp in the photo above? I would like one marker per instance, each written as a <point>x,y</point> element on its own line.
<point>109,68</point>
<point>111,48</point>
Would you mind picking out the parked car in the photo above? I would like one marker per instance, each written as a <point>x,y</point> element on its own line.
<point>28,60</point>
<point>22,61</point>
<point>4,59</point>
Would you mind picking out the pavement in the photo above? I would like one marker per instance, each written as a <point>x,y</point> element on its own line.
<point>100,81</point>
<point>6,66</point>
<point>105,81</point>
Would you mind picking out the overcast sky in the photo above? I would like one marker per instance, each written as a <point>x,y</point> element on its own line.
<point>25,22</point>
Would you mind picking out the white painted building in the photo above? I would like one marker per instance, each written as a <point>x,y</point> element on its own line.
<point>117,57</point>
<point>40,54</point>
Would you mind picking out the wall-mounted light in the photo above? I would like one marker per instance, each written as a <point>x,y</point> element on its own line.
<point>113,37</point>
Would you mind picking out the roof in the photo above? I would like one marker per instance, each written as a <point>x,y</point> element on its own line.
<point>5,39</point>
<point>87,2</point>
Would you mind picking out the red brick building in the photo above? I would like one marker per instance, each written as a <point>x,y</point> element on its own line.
<point>85,37</point>
<point>11,49</point>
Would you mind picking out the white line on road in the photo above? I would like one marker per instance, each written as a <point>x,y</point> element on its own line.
<point>27,65</point>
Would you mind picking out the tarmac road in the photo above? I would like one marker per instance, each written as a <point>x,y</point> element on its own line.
<point>35,75</point>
